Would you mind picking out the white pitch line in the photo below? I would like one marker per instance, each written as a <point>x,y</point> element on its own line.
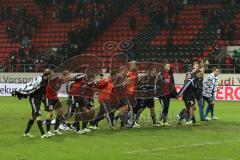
<point>183,146</point>
<point>191,157</point>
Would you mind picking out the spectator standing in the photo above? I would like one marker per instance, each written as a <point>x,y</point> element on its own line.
<point>222,31</point>
<point>170,41</point>
<point>141,7</point>
<point>229,63</point>
<point>132,23</point>
<point>26,42</point>
<point>231,31</point>
<point>204,13</point>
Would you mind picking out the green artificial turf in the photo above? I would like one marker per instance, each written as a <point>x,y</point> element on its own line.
<point>214,140</point>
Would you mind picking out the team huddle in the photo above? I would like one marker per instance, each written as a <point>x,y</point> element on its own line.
<point>122,96</point>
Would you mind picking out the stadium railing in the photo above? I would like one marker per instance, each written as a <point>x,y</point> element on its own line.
<point>30,67</point>
<point>225,68</point>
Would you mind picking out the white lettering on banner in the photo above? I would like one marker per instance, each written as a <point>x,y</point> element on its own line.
<point>226,93</point>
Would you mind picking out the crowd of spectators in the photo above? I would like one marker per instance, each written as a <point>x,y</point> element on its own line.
<point>227,31</point>
<point>99,15</point>
<point>21,24</point>
<point>161,13</point>
<point>20,27</point>
<point>226,63</point>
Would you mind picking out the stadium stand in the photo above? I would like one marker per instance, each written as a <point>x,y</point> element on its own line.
<point>144,30</point>
<point>53,26</point>
<point>108,43</point>
<point>50,31</point>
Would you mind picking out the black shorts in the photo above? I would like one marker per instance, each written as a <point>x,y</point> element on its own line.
<point>52,104</point>
<point>35,105</point>
<point>208,99</point>
<point>143,103</point>
<point>79,102</point>
<point>132,101</point>
<point>69,101</point>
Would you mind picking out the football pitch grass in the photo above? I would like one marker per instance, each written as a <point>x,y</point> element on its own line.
<point>214,140</point>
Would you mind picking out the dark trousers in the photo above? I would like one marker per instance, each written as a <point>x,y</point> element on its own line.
<point>210,107</point>
<point>165,101</point>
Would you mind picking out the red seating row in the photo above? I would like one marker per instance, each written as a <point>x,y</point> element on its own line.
<point>189,24</point>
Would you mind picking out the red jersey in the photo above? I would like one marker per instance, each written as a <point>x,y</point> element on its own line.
<point>167,82</point>
<point>50,92</point>
<point>131,87</point>
<point>106,87</point>
<point>76,87</point>
<point>52,88</point>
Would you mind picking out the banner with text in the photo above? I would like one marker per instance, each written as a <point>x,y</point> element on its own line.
<point>231,93</point>
<point>224,79</point>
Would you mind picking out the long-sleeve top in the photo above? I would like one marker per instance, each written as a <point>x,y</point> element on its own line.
<point>210,85</point>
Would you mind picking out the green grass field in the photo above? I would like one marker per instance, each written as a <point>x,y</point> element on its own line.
<point>214,140</point>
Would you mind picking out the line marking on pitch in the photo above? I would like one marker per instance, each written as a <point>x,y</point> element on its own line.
<point>183,146</point>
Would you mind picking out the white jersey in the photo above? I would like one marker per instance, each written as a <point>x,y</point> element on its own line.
<point>210,85</point>
<point>32,86</point>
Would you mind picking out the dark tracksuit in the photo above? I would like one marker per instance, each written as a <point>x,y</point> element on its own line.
<point>145,97</point>
<point>170,92</point>
<point>189,91</point>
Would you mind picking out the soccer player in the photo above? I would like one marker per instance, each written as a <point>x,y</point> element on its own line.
<point>53,103</point>
<point>189,75</point>
<point>131,87</point>
<point>189,91</point>
<point>195,67</point>
<point>199,96</point>
<point>121,82</point>
<point>105,94</point>
<point>77,101</point>
<point>169,92</point>
<point>36,91</point>
<point>82,90</point>
<point>209,91</point>
<point>88,90</point>
<point>146,85</point>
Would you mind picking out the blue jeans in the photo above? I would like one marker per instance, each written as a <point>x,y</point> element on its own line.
<point>201,108</point>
